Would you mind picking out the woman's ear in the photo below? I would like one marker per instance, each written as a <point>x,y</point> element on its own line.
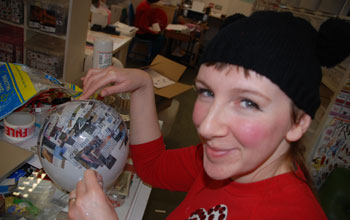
<point>299,128</point>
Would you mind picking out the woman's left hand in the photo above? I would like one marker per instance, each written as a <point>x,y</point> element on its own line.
<point>88,200</point>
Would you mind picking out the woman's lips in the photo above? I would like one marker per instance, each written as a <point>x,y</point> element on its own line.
<point>217,153</point>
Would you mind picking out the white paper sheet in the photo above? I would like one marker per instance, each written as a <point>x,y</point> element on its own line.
<point>176,27</point>
<point>198,6</point>
<point>159,81</point>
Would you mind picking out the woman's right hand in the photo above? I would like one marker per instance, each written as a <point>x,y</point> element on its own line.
<point>115,80</point>
<point>144,125</point>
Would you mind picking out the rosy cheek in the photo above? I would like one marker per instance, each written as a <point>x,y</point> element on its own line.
<point>251,134</point>
<point>199,113</point>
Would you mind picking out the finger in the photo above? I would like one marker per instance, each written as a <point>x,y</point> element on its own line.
<point>86,77</point>
<point>99,179</point>
<point>81,189</point>
<point>72,198</point>
<point>91,181</point>
<point>90,86</point>
<point>91,73</point>
<point>99,82</point>
<point>73,194</point>
<point>89,78</point>
<point>71,202</point>
<point>111,90</point>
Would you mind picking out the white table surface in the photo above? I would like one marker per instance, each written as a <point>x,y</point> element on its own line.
<point>120,44</point>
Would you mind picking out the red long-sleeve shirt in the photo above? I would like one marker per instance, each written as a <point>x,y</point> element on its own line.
<point>143,18</point>
<point>281,197</point>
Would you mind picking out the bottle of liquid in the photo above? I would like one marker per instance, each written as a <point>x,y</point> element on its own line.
<point>102,56</point>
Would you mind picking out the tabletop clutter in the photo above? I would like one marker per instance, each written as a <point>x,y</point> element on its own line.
<point>38,115</point>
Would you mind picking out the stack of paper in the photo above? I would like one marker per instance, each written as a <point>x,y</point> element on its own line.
<point>125,29</point>
<point>176,27</point>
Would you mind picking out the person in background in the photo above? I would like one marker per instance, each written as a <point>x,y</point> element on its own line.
<point>144,22</point>
<point>150,22</point>
<point>258,90</point>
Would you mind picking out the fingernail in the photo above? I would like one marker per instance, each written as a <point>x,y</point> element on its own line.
<point>100,183</point>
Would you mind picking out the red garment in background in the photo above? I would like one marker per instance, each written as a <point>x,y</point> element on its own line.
<point>281,197</point>
<point>145,16</point>
<point>142,18</point>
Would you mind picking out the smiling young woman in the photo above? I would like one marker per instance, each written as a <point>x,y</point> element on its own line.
<point>258,89</point>
<point>238,118</point>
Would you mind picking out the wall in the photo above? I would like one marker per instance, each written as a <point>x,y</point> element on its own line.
<point>240,6</point>
<point>229,7</point>
<point>124,3</point>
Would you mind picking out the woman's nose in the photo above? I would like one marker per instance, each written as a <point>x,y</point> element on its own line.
<point>214,123</point>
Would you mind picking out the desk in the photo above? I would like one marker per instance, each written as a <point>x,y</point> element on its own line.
<point>120,44</point>
<point>190,38</point>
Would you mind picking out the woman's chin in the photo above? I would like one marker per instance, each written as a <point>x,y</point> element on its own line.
<point>217,172</point>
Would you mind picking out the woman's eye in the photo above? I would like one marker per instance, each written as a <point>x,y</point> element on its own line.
<point>246,103</point>
<point>205,92</point>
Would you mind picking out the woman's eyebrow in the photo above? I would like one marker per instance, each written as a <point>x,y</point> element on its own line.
<point>201,82</point>
<point>249,91</point>
<point>237,90</point>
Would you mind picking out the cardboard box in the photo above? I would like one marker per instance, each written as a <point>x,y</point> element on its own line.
<point>173,71</point>
<point>12,158</point>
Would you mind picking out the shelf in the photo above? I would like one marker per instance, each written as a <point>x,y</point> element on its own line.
<point>11,23</point>
<point>47,33</point>
<point>345,17</point>
<point>74,38</point>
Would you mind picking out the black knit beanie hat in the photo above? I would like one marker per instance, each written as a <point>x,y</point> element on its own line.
<point>283,48</point>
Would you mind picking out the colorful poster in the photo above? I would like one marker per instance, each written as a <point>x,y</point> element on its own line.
<point>333,146</point>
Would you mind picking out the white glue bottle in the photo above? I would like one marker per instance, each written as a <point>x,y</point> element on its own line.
<point>102,56</point>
